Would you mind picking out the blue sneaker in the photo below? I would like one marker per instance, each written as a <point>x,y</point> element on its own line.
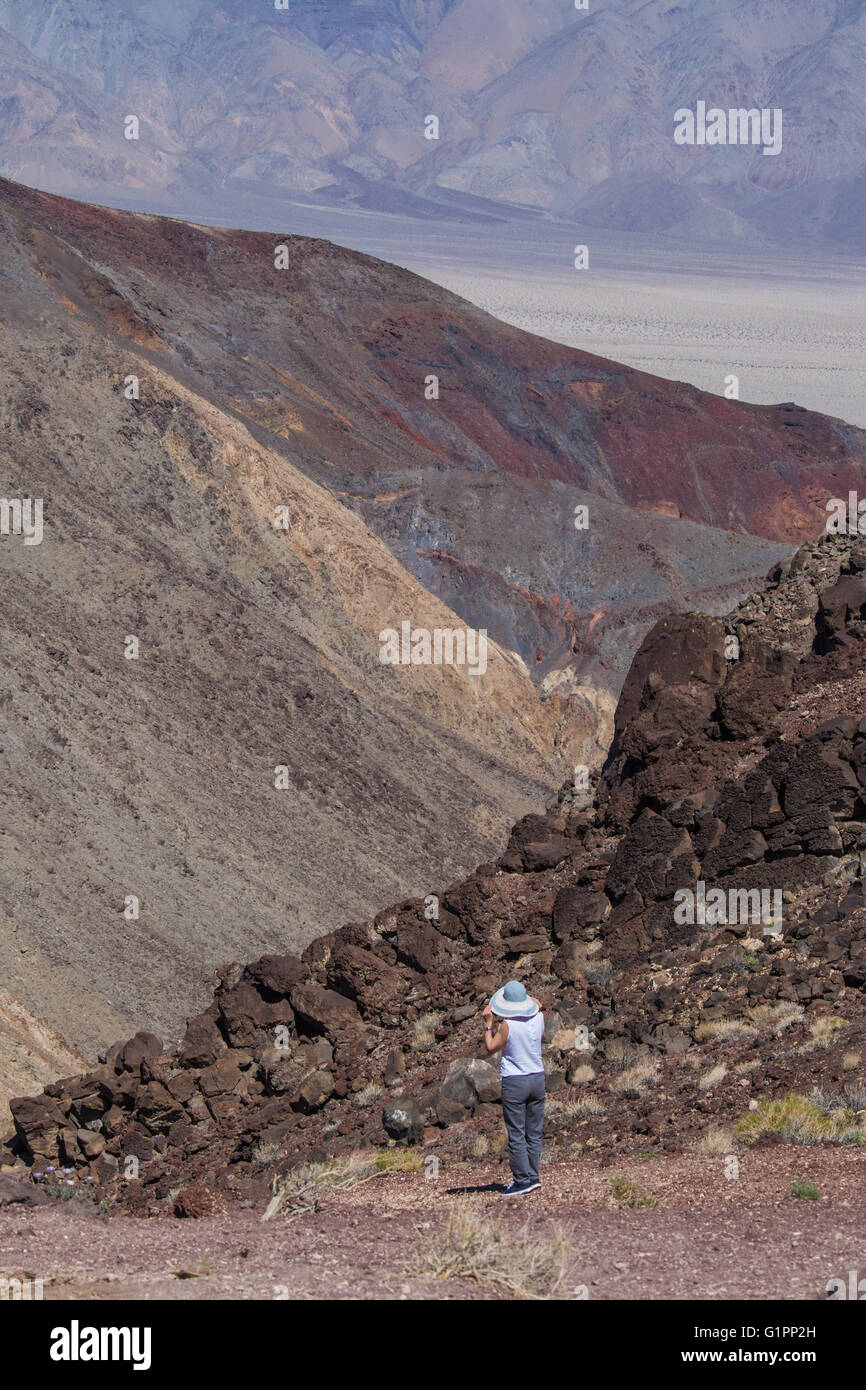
<point>518,1189</point>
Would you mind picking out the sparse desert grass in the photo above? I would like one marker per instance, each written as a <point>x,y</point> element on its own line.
<point>854,1094</point>
<point>851,1061</point>
<point>301,1189</point>
<point>473,1247</point>
<point>369,1095</point>
<point>266,1150</point>
<point>626,1193</point>
<point>424,1032</point>
<point>851,1097</point>
<point>807,1191</point>
<point>824,1032</point>
<point>799,1121</point>
<point>620,1053</point>
<point>743,1068</point>
<point>581,1075</point>
<point>718,1139</point>
<point>581,1108</point>
<point>587,1106</point>
<point>636,1078</point>
<point>780,1015</point>
<point>713,1077</point>
<point>724,1029</point>
<point>481,1146</point>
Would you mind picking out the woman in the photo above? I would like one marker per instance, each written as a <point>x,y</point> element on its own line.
<point>514,1024</point>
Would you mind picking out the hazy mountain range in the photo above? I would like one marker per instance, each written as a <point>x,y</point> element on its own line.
<point>541,108</point>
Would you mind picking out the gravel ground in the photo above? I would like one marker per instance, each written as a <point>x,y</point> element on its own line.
<point>710,1236</point>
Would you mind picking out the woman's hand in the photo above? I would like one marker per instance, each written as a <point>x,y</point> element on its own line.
<point>487,1015</point>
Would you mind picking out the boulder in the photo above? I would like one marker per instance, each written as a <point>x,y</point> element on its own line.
<point>749,697</point>
<point>14,1192</point>
<point>469,1082</point>
<point>325,1011</point>
<point>402,1120</point>
<point>222,1078</point>
<point>569,963</point>
<point>38,1121</point>
<point>395,1067</point>
<point>156,1107</point>
<point>276,975</point>
<point>314,1091</point>
<point>576,911</point>
<point>838,607</point>
<point>526,944</point>
<point>376,987</point>
<point>651,857</point>
<point>143,1047</point>
<point>202,1042</point>
<point>422,948</point>
<point>818,776</point>
<point>248,1020</point>
<point>91,1142</point>
<point>546,854</point>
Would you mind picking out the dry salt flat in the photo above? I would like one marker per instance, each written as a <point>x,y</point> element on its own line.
<point>787,336</point>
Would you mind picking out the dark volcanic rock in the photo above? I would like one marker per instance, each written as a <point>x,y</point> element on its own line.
<point>758,815</point>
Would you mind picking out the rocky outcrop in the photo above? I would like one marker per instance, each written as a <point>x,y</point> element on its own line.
<point>738,770</point>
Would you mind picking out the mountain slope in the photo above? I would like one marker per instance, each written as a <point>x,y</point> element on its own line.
<point>330,362</point>
<point>154,777</point>
<point>260,388</point>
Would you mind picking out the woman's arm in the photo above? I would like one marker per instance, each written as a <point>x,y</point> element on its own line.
<point>495,1031</point>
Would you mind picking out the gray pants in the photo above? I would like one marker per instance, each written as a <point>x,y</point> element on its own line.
<point>523,1110</point>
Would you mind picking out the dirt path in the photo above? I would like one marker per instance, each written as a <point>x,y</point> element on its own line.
<point>708,1237</point>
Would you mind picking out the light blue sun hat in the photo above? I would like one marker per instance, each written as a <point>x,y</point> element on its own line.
<point>512,1001</point>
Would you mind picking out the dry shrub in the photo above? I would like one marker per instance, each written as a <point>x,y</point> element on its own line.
<point>780,1015</point>
<point>634,1079</point>
<point>471,1247</point>
<point>824,1032</point>
<point>301,1189</point>
<point>799,1120</point>
<point>713,1077</point>
<point>723,1030</point>
<point>368,1096</point>
<point>620,1053</point>
<point>718,1139</point>
<point>580,1109</point>
<point>424,1032</point>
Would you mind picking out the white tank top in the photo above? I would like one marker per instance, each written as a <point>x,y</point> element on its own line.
<point>521,1055</point>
